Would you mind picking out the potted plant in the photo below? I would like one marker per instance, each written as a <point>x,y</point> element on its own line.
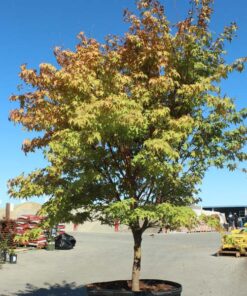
<point>4,251</point>
<point>50,235</point>
<point>2,259</point>
<point>12,256</point>
<point>130,127</point>
<point>50,246</point>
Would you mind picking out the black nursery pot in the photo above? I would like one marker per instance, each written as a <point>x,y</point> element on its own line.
<point>122,288</point>
<point>13,258</point>
<point>6,256</point>
<point>2,257</point>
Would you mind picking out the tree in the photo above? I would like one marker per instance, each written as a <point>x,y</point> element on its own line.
<point>129,127</point>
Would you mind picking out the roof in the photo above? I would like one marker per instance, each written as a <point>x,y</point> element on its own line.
<point>243,206</point>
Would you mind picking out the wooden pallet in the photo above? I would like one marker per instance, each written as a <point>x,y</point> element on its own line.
<point>236,253</point>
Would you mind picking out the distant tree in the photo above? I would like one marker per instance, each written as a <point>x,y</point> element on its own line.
<point>129,127</point>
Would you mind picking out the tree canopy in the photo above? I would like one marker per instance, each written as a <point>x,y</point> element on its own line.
<point>129,127</point>
<point>136,120</point>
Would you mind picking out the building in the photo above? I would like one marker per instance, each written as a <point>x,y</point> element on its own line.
<point>241,211</point>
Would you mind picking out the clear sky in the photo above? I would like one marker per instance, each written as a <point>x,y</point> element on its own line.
<point>29,32</point>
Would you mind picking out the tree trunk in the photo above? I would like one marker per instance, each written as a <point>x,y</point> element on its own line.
<point>137,234</point>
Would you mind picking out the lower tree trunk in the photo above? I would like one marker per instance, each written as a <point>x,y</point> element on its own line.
<point>137,234</point>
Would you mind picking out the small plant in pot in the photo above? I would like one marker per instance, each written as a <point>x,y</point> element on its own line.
<point>131,126</point>
<point>2,257</point>
<point>12,256</point>
<point>4,251</point>
<point>50,246</point>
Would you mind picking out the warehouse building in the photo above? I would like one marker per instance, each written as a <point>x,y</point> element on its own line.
<point>241,211</point>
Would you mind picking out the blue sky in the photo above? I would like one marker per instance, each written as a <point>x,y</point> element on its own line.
<point>29,32</point>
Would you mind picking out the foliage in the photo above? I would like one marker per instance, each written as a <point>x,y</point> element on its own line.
<point>31,234</point>
<point>165,215</point>
<point>4,245</point>
<point>212,221</point>
<point>138,117</point>
<point>235,240</point>
<point>129,127</point>
<point>12,252</point>
<point>229,240</point>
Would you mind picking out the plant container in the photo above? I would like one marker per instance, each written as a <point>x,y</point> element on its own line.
<point>13,258</point>
<point>6,256</point>
<point>2,257</point>
<point>50,246</point>
<point>148,287</point>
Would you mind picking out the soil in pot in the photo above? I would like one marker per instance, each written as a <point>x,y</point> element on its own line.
<point>123,288</point>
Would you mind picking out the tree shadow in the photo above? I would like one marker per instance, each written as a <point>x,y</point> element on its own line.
<point>64,289</point>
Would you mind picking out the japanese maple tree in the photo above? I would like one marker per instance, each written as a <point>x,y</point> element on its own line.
<point>129,127</point>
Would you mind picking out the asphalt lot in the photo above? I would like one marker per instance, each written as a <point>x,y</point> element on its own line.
<point>184,258</point>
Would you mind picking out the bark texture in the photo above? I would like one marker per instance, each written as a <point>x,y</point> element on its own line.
<point>137,234</point>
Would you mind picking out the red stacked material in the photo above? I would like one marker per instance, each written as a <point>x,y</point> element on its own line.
<point>28,222</point>
<point>10,228</point>
<point>60,229</point>
<point>40,242</point>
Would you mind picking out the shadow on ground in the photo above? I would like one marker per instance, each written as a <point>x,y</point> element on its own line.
<point>64,289</point>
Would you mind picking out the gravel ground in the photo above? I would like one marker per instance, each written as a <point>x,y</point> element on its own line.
<point>184,258</point>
